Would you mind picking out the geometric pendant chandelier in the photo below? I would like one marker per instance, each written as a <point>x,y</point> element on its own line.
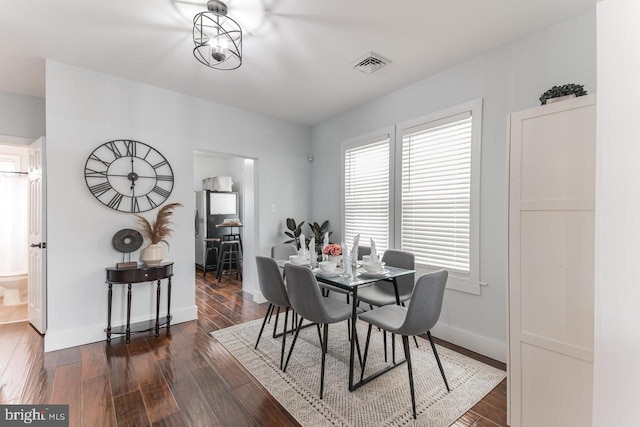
<point>217,38</point>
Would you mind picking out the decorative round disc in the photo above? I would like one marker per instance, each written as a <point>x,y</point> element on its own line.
<point>127,241</point>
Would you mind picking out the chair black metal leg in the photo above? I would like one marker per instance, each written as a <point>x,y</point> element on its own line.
<point>294,321</point>
<point>349,330</point>
<point>275,325</point>
<point>366,351</point>
<point>284,336</point>
<point>393,348</point>
<point>324,355</point>
<point>319,334</point>
<point>407,355</point>
<point>384,338</point>
<point>264,322</point>
<point>293,343</point>
<point>435,353</point>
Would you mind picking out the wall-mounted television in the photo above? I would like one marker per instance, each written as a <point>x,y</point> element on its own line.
<point>223,203</point>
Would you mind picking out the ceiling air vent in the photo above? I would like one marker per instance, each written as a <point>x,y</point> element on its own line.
<point>370,63</point>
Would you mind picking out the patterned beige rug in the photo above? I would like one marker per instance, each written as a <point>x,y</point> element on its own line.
<point>383,402</point>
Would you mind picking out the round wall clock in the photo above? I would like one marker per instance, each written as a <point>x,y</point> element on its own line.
<point>128,176</point>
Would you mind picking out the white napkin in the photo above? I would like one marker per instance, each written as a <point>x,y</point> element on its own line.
<point>325,257</point>
<point>313,256</point>
<point>374,253</point>
<point>346,265</point>
<point>354,251</point>
<point>303,249</point>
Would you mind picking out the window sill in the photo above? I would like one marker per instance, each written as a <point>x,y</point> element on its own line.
<point>456,282</point>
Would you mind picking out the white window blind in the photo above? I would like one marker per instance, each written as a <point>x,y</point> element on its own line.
<point>366,193</point>
<point>436,193</point>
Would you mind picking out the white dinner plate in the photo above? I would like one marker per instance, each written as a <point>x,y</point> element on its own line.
<point>326,274</point>
<point>382,273</point>
<point>304,264</point>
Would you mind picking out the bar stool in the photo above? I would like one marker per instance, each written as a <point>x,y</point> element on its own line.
<point>210,246</point>
<point>229,259</point>
<point>230,237</point>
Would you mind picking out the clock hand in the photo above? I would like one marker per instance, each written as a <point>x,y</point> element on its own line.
<point>133,196</point>
<point>127,176</point>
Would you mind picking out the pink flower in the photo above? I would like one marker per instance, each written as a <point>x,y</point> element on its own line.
<point>332,249</point>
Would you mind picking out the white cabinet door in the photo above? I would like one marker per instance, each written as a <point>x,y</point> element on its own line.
<point>551,263</point>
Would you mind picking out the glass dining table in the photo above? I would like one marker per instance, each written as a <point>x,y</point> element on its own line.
<point>350,284</point>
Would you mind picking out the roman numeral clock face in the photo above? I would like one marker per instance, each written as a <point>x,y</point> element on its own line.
<point>128,176</point>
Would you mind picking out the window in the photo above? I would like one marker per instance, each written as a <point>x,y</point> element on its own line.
<point>366,192</point>
<point>428,171</point>
<point>436,193</point>
<point>9,163</point>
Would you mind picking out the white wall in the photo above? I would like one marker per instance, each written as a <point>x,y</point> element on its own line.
<point>617,289</point>
<point>85,109</point>
<point>508,79</point>
<point>207,165</point>
<point>21,115</point>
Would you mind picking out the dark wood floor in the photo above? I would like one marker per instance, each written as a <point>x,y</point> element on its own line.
<point>179,379</point>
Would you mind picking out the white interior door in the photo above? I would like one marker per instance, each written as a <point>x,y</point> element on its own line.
<point>37,237</point>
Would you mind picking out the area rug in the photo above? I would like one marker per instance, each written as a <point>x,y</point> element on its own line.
<point>385,401</point>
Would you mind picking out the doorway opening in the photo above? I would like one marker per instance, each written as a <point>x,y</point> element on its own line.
<point>14,218</point>
<point>224,216</point>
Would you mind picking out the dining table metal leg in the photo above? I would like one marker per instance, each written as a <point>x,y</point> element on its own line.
<point>354,316</point>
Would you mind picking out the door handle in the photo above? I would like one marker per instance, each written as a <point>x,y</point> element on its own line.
<point>41,245</point>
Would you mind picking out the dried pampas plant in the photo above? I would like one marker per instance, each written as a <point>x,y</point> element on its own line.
<point>157,231</point>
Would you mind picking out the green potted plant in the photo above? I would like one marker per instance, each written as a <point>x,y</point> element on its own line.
<point>318,230</point>
<point>294,231</point>
<point>570,90</point>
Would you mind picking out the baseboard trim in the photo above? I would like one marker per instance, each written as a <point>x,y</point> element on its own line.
<point>257,296</point>
<point>71,338</point>
<point>484,346</point>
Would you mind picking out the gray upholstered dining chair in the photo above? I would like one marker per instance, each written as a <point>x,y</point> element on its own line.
<point>308,302</point>
<point>421,315</point>
<point>283,251</point>
<point>273,289</point>
<point>382,293</point>
<point>363,250</point>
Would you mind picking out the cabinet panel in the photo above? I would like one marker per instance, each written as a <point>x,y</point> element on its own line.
<point>556,389</point>
<point>556,275</point>
<point>558,156</point>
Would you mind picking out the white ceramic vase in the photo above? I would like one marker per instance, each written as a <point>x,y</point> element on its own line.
<point>152,255</point>
<point>336,258</point>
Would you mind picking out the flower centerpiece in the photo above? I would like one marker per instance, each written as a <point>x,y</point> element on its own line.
<point>334,252</point>
<point>156,231</point>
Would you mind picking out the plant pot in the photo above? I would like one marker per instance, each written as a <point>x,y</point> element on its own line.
<point>152,255</point>
<point>560,98</point>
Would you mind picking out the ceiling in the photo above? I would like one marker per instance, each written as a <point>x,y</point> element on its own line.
<point>297,53</point>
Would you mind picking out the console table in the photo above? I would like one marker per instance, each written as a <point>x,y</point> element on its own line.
<point>142,274</point>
